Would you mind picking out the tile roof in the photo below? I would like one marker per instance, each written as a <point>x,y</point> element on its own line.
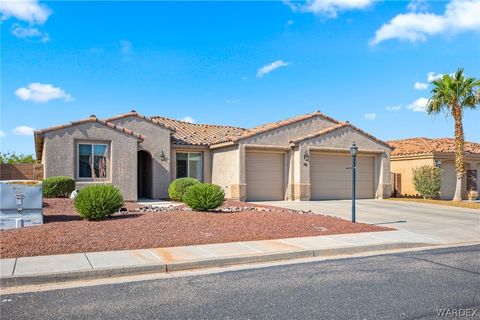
<point>336,127</point>
<point>421,145</point>
<point>186,133</point>
<point>92,118</point>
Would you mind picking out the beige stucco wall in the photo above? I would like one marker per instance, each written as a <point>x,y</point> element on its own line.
<point>404,168</point>
<point>60,154</point>
<point>226,170</point>
<point>156,140</point>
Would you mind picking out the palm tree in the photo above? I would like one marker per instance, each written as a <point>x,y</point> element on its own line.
<point>452,94</point>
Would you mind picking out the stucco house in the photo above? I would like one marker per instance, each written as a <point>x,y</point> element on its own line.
<point>306,157</point>
<point>415,152</point>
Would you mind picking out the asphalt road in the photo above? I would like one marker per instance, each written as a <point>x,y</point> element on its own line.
<point>412,285</point>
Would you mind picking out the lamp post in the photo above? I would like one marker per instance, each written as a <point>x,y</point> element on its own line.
<point>353,151</point>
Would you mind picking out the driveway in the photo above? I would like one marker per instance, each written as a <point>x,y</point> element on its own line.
<point>445,225</point>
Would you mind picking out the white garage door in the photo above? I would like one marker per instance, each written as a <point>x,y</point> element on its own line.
<point>265,176</point>
<point>330,179</point>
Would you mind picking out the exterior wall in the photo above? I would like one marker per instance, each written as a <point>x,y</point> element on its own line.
<point>282,136</point>
<point>340,141</point>
<point>206,161</point>
<point>60,155</point>
<point>226,170</point>
<point>156,140</point>
<point>404,168</point>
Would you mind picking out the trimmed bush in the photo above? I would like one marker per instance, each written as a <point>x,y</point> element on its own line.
<point>203,197</point>
<point>58,187</point>
<point>178,187</point>
<point>427,181</point>
<point>98,202</point>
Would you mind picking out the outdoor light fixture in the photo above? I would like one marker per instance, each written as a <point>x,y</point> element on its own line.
<point>162,156</point>
<point>306,156</point>
<point>353,152</point>
<point>438,163</point>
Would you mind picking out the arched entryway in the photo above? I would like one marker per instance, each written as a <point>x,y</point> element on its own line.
<point>144,181</point>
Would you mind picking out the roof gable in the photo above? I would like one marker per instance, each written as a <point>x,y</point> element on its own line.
<point>248,133</point>
<point>135,114</point>
<point>336,127</point>
<point>39,134</point>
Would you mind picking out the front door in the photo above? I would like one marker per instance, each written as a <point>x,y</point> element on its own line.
<point>144,181</point>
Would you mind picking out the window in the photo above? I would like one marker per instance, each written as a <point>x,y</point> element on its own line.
<point>189,165</point>
<point>92,160</point>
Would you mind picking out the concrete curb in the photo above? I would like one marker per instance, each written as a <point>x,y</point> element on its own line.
<point>14,281</point>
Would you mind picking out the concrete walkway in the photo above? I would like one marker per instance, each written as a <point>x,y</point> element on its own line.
<point>444,224</point>
<point>57,268</point>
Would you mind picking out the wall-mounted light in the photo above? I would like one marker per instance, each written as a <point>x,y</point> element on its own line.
<point>306,156</point>
<point>438,163</point>
<point>162,157</point>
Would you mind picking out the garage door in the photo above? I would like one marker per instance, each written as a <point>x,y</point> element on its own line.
<point>265,176</point>
<point>330,179</point>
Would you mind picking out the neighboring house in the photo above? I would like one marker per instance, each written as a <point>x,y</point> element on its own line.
<point>415,152</point>
<point>301,158</point>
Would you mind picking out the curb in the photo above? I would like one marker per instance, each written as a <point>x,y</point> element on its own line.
<point>14,281</point>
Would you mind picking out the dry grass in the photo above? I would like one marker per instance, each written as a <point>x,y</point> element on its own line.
<point>463,204</point>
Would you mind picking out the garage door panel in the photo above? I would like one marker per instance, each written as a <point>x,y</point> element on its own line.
<point>330,178</point>
<point>265,176</point>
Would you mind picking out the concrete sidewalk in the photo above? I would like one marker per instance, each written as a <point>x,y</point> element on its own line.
<point>58,268</point>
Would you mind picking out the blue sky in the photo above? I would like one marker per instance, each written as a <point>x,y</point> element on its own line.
<point>234,63</point>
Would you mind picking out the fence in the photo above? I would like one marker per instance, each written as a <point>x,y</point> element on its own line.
<point>21,171</point>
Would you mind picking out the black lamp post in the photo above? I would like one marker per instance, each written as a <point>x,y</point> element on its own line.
<point>353,151</point>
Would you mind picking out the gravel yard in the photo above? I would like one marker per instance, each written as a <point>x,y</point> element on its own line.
<point>65,232</point>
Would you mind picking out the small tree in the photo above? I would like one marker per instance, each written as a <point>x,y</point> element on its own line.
<point>427,181</point>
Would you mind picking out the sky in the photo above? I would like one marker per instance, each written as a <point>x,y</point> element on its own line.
<point>234,63</point>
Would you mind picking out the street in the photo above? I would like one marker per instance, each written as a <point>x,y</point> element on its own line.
<point>409,285</point>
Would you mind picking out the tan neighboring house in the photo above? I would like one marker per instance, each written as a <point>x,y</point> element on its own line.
<point>415,152</point>
<point>302,158</point>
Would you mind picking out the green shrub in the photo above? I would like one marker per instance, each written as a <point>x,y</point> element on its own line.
<point>203,197</point>
<point>178,187</point>
<point>98,201</point>
<point>58,187</point>
<point>427,181</point>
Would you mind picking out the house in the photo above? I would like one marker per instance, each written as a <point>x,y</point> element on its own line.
<point>306,157</point>
<point>415,152</point>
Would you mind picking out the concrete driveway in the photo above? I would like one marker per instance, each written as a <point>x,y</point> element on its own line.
<point>445,225</point>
